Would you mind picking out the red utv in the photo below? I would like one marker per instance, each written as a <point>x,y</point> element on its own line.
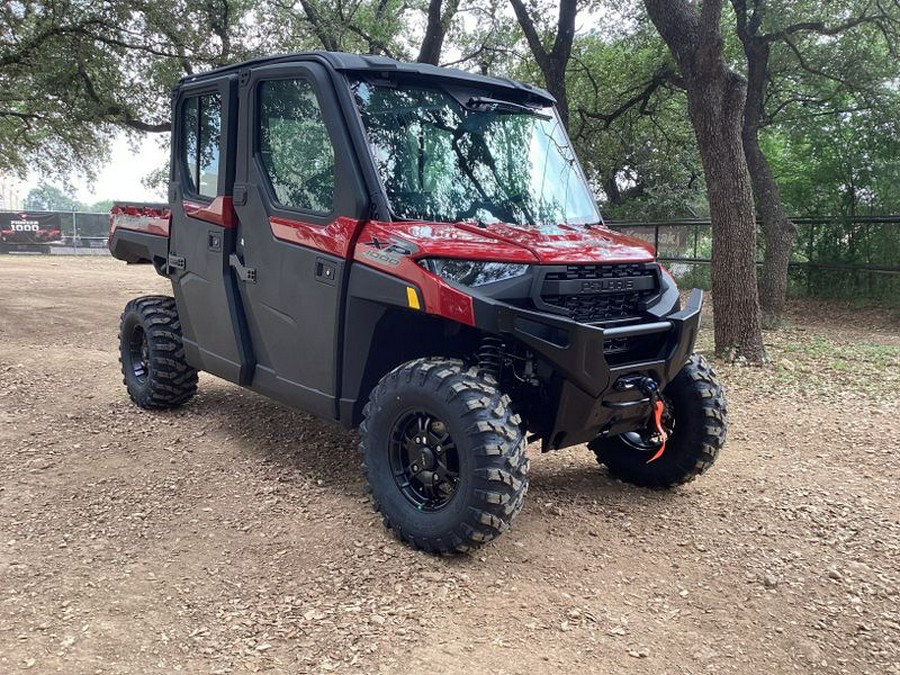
<point>413,251</point>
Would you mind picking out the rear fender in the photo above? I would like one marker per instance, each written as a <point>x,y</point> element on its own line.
<point>133,246</point>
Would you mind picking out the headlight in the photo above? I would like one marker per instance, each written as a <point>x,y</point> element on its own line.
<point>473,272</point>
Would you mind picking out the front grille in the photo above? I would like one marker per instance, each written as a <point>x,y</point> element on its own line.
<point>599,293</point>
<point>593,308</point>
<point>601,271</point>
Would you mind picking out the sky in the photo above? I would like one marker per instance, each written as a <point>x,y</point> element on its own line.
<point>119,179</point>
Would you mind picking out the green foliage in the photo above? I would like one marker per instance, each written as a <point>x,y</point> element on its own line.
<point>836,151</point>
<point>630,125</point>
<point>46,197</point>
<point>103,206</point>
<point>855,153</point>
<point>73,73</point>
<point>366,26</point>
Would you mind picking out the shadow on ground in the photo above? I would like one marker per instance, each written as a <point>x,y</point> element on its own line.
<point>326,453</point>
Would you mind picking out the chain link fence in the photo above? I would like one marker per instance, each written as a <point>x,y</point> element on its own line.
<point>84,234</point>
<point>833,257</point>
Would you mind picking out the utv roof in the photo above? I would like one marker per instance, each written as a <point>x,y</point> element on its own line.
<point>381,66</point>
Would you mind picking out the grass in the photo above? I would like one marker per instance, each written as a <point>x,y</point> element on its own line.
<point>822,360</point>
<point>833,366</point>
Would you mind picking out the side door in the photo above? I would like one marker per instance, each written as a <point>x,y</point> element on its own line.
<point>300,203</point>
<point>203,232</point>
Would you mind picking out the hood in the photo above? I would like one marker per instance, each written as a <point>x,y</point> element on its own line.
<point>569,244</point>
<point>561,244</point>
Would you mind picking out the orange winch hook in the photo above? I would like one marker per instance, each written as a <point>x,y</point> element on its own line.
<point>658,409</point>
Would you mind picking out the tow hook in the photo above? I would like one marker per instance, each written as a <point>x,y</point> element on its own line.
<point>649,388</point>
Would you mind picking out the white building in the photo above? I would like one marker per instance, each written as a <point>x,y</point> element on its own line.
<point>12,193</point>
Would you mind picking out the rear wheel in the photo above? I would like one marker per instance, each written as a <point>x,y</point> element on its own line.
<point>443,455</point>
<point>695,418</point>
<point>155,372</point>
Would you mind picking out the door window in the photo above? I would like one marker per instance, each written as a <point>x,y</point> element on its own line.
<point>201,128</point>
<point>294,145</point>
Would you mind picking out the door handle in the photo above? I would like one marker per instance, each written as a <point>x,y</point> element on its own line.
<point>214,241</point>
<point>176,262</point>
<point>239,198</point>
<point>247,274</point>
<point>326,271</point>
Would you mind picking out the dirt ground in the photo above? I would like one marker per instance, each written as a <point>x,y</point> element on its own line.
<point>233,535</point>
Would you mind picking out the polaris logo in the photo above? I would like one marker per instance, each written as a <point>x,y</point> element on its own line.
<point>602,285</point>
<point>609,285</point>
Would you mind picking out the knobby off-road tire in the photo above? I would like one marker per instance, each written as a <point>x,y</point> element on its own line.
<point>415,409</point>
<point>152,354</point>
<point>700,422</point>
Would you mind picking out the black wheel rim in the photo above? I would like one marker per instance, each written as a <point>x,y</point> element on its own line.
<point>139,354</point>
<point>647,440</point>
<point>424,460</point>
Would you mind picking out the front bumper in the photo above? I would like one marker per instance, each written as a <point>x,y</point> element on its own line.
<point>589,402</point>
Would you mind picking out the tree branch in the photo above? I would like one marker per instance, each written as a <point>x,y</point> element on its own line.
<point>320,30</point>
<point>641,99</point>
<point>565,31</point>
<point>531,34</point>
<point>821,28</point>
<point>116,112</point>
<point>679,26</point>
<point>810,69</point>
<point>374,43</point>
<point>23,50</point>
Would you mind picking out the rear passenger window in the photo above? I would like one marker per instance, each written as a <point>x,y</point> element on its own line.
<point>294,145</point>
<point>201,128</point>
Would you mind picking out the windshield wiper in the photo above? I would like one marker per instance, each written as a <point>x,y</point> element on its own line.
<point>497,105</point>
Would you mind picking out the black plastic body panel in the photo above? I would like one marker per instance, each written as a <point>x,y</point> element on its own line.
<point>373,64</point>
<point>374,301</point>
<point>209,307</point>
<point>293,325</point>
<point>585,379</point>
<point>139,247</point>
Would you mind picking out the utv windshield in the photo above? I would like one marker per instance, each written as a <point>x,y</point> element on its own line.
<point>453,158</point>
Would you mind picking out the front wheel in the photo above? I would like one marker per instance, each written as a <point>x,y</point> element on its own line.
<point>443,455</point>
<point>696,419</point>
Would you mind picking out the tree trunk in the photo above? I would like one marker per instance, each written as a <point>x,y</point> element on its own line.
<point>778,231</point>
<point>555,79</point>
<point>438,22</point>
<point>716,96</point>
<point>552,63</point>
<point>716,107</point>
